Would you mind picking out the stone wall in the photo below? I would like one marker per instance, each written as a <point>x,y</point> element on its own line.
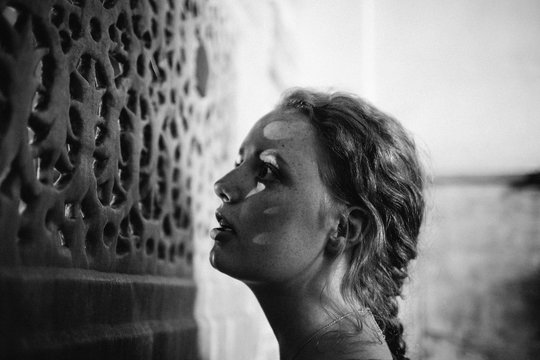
<point>111,132</point>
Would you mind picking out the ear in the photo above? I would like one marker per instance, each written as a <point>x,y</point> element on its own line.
<point>354,219</point>
<point>347,232</point>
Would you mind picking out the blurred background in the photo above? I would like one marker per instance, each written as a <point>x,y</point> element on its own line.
<point>464,77</point>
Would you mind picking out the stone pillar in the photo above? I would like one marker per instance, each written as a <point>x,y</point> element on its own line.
<point>111,133</point>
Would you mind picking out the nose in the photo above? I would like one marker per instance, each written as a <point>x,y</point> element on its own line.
<point>225,191</point>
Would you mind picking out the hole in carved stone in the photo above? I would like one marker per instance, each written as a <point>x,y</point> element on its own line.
<point>109,4</point>
<point>113,34</point>
<point>176,194</point>
<point>184,123</point>
<point>132,101</point>
<point>136,221</point>
<point>126,40</point>
<point>99,166</point>
<point>100,81</point>
<point>181,249</point>
<point>125,147</point>
<point>48,68</point>
<point>125,227</point>
<point>40,34</point>
<point>84,66</point>
<point>146,205</point>
<point>124,174</point>
<point>134,4</point>
<point>117,64</point>
<point>171,254</point>
<point>147,136</point>
<point>123,245</point>
<point>150,246</point>
<point>153,5</point>
<point>62,238</point>
<point>137,242</point>
<point>40,100</point>
<point>104,192</point>
<point>141,65</point>
<point>56,15</point>
<point>109,230</point>
<point>118,196</point>
<point>144,108</point>
<point>107,102</point>
<point>73,151</point>
<point>145,157</point>
<point>167,226</point>
<point>75,87</point>
<point>125,121</point>
<point>169,19</point>
<point>144,180</point>
<point>161,97</point>
<point>161,143</point>
<point>109,233</point>
<point>121,22</point>
<point>37,128</point>
<point>154,27</point>
<point>177,153</point>
<point>75,122</point>
<point>161,250</point>
<point>74,24</point>
<point>147,39</point>
<point>95,29</point>
<point>70,211</point>
<point>100,133</point>
<point>172,96</point>
<point>65,41</point>
<point>168,36</point>
<point>202,70</point>
<point>161,165</point>
<point>176,175</point>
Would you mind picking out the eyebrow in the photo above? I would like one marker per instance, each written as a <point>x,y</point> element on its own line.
<point>272,154</point>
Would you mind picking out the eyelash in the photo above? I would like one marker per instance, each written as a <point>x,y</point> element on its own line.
<point>268,166</point>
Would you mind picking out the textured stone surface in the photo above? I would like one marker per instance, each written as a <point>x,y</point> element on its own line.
<point>110,126</point>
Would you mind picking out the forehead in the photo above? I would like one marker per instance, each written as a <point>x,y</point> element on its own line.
<point>285,130</point>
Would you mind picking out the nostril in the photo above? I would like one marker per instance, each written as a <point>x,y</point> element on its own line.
<point>220,191</point>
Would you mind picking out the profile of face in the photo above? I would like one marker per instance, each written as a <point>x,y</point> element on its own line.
<point>276,213</point>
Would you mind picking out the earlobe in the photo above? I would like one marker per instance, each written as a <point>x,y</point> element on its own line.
<point>335,244</point>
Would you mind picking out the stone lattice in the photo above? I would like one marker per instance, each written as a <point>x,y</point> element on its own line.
<point>110,118</point>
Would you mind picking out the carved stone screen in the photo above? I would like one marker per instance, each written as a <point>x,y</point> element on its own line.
<point>110,118</point>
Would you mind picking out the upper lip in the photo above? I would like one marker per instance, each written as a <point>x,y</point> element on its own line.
<point>223,222</point>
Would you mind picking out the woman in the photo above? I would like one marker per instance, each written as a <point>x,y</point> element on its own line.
<point>320,217</point>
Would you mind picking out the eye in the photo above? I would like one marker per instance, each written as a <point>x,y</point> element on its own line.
<point>267,172</point>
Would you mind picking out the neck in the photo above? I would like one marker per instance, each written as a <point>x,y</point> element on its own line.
<point>297,308</point>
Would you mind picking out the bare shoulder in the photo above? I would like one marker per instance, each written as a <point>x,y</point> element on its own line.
<point>336,345</point>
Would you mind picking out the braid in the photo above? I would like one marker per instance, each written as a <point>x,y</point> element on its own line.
<point>370,161</point>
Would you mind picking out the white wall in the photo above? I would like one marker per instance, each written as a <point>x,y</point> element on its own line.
<point>463,75</point>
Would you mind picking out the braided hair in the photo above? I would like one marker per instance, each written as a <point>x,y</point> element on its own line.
<point>369,160</point>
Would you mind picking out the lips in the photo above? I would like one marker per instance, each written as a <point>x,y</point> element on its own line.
<point>225,227</point>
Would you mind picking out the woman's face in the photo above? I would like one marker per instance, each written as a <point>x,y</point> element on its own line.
<point>275,209</point>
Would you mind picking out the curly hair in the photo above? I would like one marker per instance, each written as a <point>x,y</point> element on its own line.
<point>370,161</point>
